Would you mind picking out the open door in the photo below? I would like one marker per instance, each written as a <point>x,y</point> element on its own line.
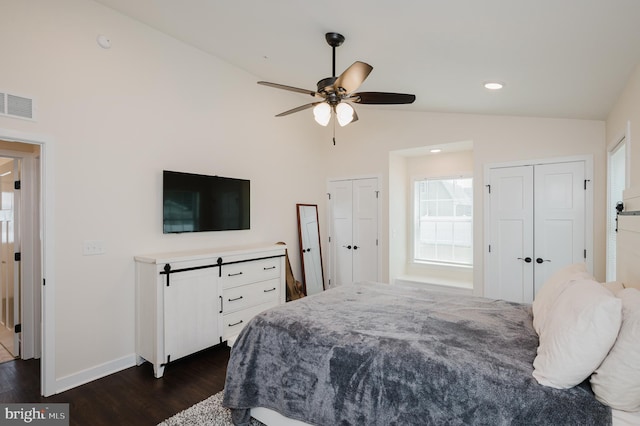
<point>9,272</point>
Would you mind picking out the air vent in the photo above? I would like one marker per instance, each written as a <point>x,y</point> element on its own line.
<point>16,106</point>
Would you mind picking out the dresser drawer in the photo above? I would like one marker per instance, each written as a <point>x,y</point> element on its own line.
<point>235,321</point>
<point>244,296</point>
<point>250,272</point>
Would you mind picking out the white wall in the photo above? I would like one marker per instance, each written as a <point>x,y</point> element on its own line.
<point>121,116</point>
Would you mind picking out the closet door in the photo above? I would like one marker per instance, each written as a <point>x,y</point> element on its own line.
<point>537,225</point>
<point>559,218</point>
<point>511,259</point>
<point>365,230</point>
<point>353,233</point>
<point>341,232</point>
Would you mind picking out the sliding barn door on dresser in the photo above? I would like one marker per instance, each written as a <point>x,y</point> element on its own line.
<point>189,301</point>
<point>191,298</point>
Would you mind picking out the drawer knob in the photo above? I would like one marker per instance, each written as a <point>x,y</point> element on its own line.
<point>235,323</point>
<point>237,298</point>
<point>271,289</point>
<point>234,275</point>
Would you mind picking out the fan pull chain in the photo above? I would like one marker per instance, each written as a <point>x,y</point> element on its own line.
<point>334,131</point>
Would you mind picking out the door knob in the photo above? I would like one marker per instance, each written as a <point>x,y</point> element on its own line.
<point>526,259</point>
<point>355,247</point>
<point>347,247</point>
<point>540,260</point>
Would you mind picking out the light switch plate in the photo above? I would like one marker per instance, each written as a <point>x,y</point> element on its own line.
<point>93,247</point>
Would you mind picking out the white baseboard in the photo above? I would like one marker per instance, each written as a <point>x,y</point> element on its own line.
<point>94,373</point>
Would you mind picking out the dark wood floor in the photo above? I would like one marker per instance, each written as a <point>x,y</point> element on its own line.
<point>130,397</point>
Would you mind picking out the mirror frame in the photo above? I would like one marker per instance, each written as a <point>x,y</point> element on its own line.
<point>302,249</point>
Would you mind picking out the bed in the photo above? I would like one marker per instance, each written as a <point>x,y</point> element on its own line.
<point>376,354</point>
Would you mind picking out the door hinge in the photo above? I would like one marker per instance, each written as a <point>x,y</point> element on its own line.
<point>489,248</point>
<point>489,188</point>
<point>376,242</point>
<point>329,195</point>
<point>17,257</point>
<point>585,253</point>
<point>16,185</point>
<point>17,328</point>
<point>44,282</point>
<point>377,194</point>
<point>329,238</point>
<point>585,183</point>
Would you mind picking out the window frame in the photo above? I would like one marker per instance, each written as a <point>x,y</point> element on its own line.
<point>415,218</point>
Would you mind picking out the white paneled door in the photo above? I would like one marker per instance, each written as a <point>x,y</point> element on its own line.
<point>537,224</point>
<point>353,234</point>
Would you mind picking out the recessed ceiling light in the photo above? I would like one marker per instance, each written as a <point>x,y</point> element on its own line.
<point>435,150</point>
<point>493,85</point>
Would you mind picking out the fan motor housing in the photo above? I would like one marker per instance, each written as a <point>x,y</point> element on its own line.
<point>326,84</point>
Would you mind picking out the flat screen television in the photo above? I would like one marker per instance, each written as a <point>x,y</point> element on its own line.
<point>199,203</point>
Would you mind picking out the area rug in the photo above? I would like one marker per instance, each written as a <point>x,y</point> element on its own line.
<point>209,412</point>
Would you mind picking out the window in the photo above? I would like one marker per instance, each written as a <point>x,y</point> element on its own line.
<point>443,225</point>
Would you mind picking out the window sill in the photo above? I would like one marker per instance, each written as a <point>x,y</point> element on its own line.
<point>440,265</point>
<point>435,283</point>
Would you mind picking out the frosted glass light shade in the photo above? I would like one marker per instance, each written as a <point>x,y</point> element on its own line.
<point>322,113</point>
<point>344,112</point>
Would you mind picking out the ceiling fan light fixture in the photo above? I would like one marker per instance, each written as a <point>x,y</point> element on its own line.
<point>322,113</point>
<point>344,113</point>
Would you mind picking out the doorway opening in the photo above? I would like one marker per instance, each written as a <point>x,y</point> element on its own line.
<point>617,182</point>
<point>20,248</point>
<point>36,151</point>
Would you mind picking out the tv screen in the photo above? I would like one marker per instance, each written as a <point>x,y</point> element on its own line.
<point>198,203</point>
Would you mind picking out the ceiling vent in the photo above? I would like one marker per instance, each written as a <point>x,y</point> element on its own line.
<point>16,106</point>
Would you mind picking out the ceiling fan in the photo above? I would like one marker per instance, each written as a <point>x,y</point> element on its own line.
<point>336,93</point>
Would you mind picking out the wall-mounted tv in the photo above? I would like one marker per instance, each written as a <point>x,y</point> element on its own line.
<point>199,203</point>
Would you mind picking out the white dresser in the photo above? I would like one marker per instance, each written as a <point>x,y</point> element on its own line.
<point>188,301</point>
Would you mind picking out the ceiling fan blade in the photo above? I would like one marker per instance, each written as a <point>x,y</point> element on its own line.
<point>352,77</point>
<point>300,108</point>
<point>290,88</point>
<point>382,98</point>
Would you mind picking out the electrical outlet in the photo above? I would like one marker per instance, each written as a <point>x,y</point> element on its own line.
<point>93,247</point>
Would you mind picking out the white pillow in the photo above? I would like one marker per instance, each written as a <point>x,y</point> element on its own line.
<point>552,289</point>
<point>617,381</point>
<point>578,334</point>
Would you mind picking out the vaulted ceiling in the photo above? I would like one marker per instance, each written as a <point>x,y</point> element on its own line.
<point>556,58</point>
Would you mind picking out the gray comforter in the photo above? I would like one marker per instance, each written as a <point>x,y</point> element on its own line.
<point>374,354</point>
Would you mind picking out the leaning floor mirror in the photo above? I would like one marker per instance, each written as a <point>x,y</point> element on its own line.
<point>310,251</point>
